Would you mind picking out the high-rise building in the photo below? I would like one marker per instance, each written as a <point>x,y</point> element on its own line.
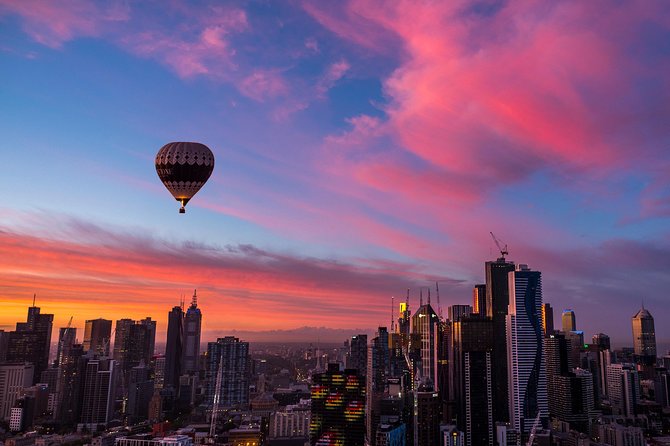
<point>66,338</point>
<point>71,372</point>
<point>140,391</point>
<point>174,347</point>
<point>97,334</point>
<point>473,376</point>
<point>426,324</point>
<point>527,369</point>
<point>602,341</point>
<point>547,319</point>
<point>14,377</point>
<point>662,387</point>
<point>358,354</point>
<point>623,388</point>
<point>4,345</point>
<point>233,355</point>
<point>31,341</point>
<point>497,301</point>
<point>377,372</point>
<point>338,408</point>
<point>192,330</point>
<point>568,321</point>
<point>133,344</point>
<point>644,337</point>
<point>479,299</point>
<point>98,394</point>
<point>456,312</point>
<point>427,424</point>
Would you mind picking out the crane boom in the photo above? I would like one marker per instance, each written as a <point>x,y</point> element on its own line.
<point>503,249</point>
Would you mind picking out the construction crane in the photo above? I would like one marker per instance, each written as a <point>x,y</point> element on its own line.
<point>62,341</point>
<point>531,437</point>
<point>503,249</point>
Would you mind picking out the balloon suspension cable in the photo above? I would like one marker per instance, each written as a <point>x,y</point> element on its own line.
<point>182,209</point>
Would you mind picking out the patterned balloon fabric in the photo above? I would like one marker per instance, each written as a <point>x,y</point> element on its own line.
<point>184,167</point>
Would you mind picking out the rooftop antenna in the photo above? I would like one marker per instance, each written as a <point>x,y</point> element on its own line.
<point>34,296</point>
<point>392,304</point>
<point>420,297</point>
<point>194,301</point>
<point>439,307</point>
<point>428,296</point>
<point>407,298</point>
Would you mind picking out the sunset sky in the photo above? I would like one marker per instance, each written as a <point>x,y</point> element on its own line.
<point>362,148</point>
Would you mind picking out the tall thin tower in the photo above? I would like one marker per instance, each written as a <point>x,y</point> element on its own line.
<point>192,330</point>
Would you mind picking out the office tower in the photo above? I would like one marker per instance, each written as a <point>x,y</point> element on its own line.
<point>547,319</point>
<point>14,377</point>
<point>456,312</point>
<point>662,387</point>
<point>358,354</point>
<point>22,414</point>
<point>133,344</point>
<point>71,374</point>
<point>192,327</point>
<point>644,337</point>
<point>31,341</point>
<point>497,301</point>
<point>527,372</point>
<point>473,378</point>
<point>568,321</point>
<point>426,324</point>
<point>140,391</point>
<point>66,338</point>
<point>404,318</point>
<point>233,355</point>
<point>97,334</point>
<point>576,340</point>
<point>174,347</point>
<point>4,345</point>
<point>338,407</point>
<point>479,299</point>
<point>98,394</point>
<point>427,425</point>
<point>290,423</point>
<point>623,388</point>
<point>377,369</point>
<point>602,341</point>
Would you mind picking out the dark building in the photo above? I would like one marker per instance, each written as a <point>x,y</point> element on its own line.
<point>602,341</point>
<point>426,325</point>
<point>66,338</point>
<point>479,299</point>
<point>140,391</point>
<point>4,345</point>
<point>473,376</point>
<point>133,344</point>
<point>70,384</point>
<point>456,312</point>
<point>97,334</point>
<point>377,372</point>
<point>192,331</point>
<point>98,395</point>
<point>547,319</point>
<point>31,341</point>
<point>233,356</point>
<point>428,404</point>
<point>358,354</point>
<point>338,408</point>
<point>174,347</point>
<point>497,300</point>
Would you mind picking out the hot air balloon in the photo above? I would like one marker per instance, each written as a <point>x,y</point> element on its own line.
<point>184,167</point>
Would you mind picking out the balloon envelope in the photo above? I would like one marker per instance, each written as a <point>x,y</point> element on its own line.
<point>184,167</point>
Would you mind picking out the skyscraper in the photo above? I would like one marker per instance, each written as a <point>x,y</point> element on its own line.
<point>14,377</point>
<point>426,324</point>
<point>71,372</point>
<point>547,319</point>
<point>377,372</point>
<point>97,334</point>
<point>174,347</point>
<point>338,408</point>
<point>497,301</point>
<point>427,424</point>
<point>601,340</point>
<point>358,354</point>
<point>192,327</point>
<point>479,299</point>
<point>623,388</point>
<point>456,312</point>
<point>568,321</point>
<point>233,355</point>
<point>66,338</point>
<point>473,378</point>
<point>526,361</point>
<point>31,341</point>
<point>133,344</point>
<point>98,394</point>
<point>644,337</point>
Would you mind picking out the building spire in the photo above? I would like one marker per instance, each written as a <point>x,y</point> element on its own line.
<point>428,296</point>
<point>420,297</point>
<point>194,301</point>
<point>35,296</point>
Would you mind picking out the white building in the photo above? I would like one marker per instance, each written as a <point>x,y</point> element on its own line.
<point>14,377</point>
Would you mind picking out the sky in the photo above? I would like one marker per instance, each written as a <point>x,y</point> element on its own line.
<point>362,148</point>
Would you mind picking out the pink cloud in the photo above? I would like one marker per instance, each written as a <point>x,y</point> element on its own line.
<point>263,84</point>
<point>334,73</point>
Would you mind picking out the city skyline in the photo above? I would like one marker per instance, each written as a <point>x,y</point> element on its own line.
<point>359,153</point>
